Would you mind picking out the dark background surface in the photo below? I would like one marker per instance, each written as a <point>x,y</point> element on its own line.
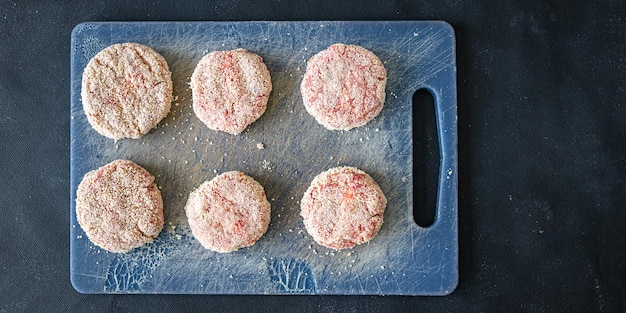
<point>542,155</point>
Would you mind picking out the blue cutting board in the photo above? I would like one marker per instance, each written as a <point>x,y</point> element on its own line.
<point>181,153</point>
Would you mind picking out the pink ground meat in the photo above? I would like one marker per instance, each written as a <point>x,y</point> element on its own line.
<point>229,212</point>
<point>119,206</point>
<point>230,90</point>
<point>344,86</point>
<point>126,90</point>
<point>343,207</point>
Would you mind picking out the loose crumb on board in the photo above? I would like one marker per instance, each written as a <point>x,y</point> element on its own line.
<point>267,165</point>
<point>260,146</point>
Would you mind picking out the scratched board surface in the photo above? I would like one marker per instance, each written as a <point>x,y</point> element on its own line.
<point>182,153</point>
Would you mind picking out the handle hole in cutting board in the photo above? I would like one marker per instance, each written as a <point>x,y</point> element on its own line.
<point>426,158</point>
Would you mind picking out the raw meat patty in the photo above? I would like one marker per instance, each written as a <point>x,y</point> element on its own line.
<point>344,86</point>
<point>229,212</point>
<point>119,206</point>
<point>343,207</point>
<point>230,89</point>
<point>126,90</point>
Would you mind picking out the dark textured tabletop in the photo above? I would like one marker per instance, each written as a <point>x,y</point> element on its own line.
<point>542,154</point>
